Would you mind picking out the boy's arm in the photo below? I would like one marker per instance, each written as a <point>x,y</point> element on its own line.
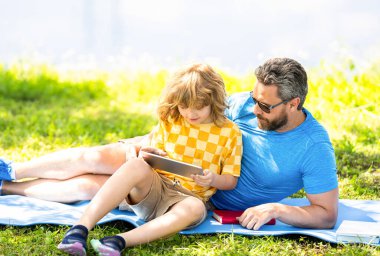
<point>222,182</point>
<point>230,172</point>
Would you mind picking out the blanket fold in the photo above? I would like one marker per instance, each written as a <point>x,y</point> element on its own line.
<point>24,211</point>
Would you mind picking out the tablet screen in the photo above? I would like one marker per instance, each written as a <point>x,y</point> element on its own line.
<point>170,165</point>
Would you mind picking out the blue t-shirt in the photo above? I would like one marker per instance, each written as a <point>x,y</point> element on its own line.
<point>277,164</point>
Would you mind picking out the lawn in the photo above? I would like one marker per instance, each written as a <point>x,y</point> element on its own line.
<point>43,109</point>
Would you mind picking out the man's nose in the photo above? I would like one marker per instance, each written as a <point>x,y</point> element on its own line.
<point>257,109</point>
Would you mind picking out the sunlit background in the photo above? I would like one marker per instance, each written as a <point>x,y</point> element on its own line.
<point>235,35</point>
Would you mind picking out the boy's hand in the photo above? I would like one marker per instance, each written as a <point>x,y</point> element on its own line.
<point>205,180</point>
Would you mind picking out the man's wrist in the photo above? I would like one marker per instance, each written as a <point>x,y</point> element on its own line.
<point>278,211</point>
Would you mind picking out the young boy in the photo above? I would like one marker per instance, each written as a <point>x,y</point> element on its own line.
<point>192,128</point>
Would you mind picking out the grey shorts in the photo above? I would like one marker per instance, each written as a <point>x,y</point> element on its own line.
<point>163,194</point>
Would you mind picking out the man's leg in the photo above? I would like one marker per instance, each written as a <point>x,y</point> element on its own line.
<point>82,187</point>
<point>73,162</point>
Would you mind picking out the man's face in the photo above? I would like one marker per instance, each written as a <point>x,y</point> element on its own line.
<point>278,116</point>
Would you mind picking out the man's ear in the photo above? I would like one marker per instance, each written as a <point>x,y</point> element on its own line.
<point>294,103</point>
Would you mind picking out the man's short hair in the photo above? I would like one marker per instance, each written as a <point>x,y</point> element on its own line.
<point>288,75</point>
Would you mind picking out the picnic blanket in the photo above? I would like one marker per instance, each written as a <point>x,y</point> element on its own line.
<point>24,211</point>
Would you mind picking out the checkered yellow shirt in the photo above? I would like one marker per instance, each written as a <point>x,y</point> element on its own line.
<point>218,149</point>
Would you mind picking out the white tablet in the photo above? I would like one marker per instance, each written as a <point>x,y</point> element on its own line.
<point>170,165</point>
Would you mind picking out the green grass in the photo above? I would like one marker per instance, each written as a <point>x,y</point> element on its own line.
<point>43,110</point>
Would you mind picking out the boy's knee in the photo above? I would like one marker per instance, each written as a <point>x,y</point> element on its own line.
<point>197,208</point>
<point>136,168</point>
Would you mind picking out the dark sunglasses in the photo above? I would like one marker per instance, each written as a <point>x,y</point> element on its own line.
<point>264,107</point>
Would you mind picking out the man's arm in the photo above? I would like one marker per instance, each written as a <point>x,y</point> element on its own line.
<point>321,213</point>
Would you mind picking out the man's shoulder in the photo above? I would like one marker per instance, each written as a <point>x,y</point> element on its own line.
<point>314,129</point>
<point>238,105</point>
<point>239,97</point>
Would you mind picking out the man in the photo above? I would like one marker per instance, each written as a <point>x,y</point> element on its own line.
<point>285,149</point>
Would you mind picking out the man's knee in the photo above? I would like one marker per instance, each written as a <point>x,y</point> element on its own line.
<point>105,158</point>
<point>95,155</point>
<point>89,185</point>
<point>82,155</point>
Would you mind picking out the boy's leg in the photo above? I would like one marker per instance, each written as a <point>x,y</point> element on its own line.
<point>75,241</point>
<point>82,187</point>
<point>180,216</point>
<point>134,176</point>
<point>73,162</point>
<point>187,212</point>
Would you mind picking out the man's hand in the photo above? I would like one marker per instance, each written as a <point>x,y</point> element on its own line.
<point>205,180</point>
<point>255,217</point>
<point>321,213</point>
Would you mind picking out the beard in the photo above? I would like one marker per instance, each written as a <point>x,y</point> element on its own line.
<point>275,124</point>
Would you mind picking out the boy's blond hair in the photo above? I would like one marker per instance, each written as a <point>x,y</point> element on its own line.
<point>195,86</point>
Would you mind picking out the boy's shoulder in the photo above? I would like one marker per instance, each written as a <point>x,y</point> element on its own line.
<point>231,126</point>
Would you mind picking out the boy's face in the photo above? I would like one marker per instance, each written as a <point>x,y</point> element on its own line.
<point>196,116</point>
